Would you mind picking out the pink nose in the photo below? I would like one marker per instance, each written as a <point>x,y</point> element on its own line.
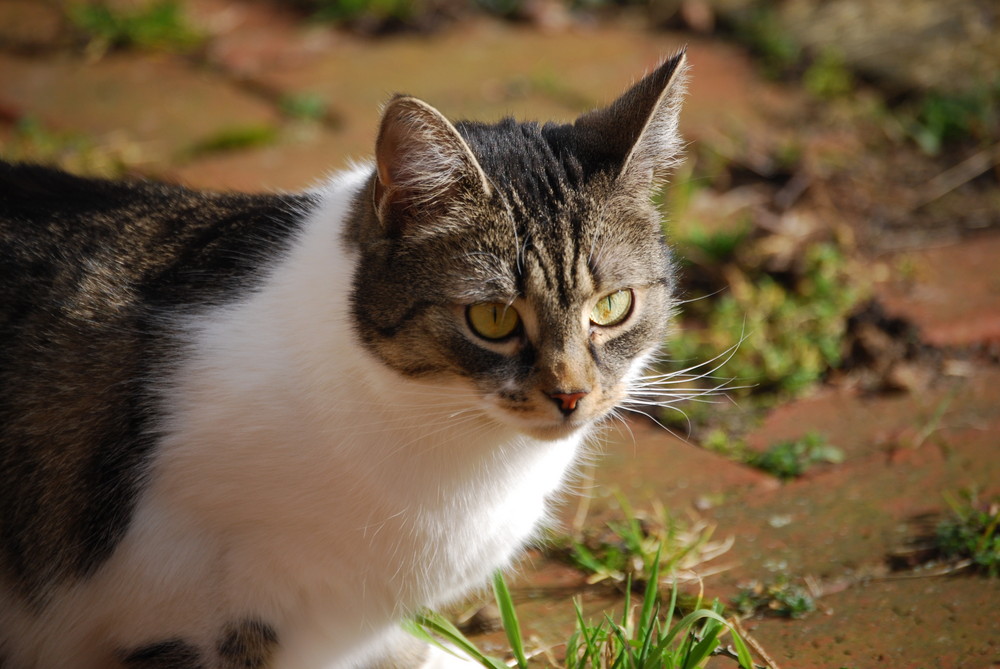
<point>567,401</point>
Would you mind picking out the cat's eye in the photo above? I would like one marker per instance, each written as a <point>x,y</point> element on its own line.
<point>493,320</point>
<point>612,309</point>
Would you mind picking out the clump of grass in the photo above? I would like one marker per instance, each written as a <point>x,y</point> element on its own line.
<point>788,459</point>
<point>786,330</point>
<point>33,141</point>
<point>779,597</point>
<point>971,533</point>
<point>304,106</point>
<point>631,550</point>
<point>651,639</point>
<point>791,459</point>
<point>828,77</point>
<point>761,30</point>
<point>159,24</point>
<point>940,119</point>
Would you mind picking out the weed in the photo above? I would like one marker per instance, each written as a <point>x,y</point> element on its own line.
<point>235,138</point>
<point>761,30</point>
<point>632,549</point>
<point>971,533</point>
<point>649,640</point>
<point>939,119</point>
<point>778,597</point>
<point>790,459</point>
<point>714,247</point>
<point>828,77</point>
<point>304,106</point>
<point>786,459</point>
<point>787,334</point>
<point>159,24</point>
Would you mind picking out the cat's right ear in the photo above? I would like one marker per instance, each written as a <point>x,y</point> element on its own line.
<point>637,133</point>
<point>424,166</point>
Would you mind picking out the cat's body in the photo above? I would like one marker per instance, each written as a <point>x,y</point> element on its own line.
<point>257,431</point>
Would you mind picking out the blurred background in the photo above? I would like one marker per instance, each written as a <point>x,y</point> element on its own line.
<point>837,222</point>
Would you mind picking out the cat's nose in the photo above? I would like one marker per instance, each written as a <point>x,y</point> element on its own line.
<point>567,401</point>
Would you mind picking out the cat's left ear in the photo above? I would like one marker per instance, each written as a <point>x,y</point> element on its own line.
<point>423,165</point>
<point>638,131</point>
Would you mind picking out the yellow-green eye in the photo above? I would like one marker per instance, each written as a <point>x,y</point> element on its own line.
<point>493,320</point>
<point>612,309</point>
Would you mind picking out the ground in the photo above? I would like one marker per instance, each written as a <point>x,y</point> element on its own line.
<point>273,101</point>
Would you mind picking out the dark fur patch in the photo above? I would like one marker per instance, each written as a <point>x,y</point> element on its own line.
<point>169,654</point>
<point>88,270</point>
<point>248,644</point>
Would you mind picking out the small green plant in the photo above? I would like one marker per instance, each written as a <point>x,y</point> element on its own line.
<point>786,334</point>
<point>971,533</point>
<point>631,549</point>
<point>715,246</point>
<point>235,138</point>
<point>159,24</point>
<point>304,106</point>
<point>828,76</point>
<point>761,30</point>
<point>940,119</point>
<point>788,459</point>
<point>779,597</point>
<point>652,640</point>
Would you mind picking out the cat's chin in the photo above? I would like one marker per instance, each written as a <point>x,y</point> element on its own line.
<point>551,431</point>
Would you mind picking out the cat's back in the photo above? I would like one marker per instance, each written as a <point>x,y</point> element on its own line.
<point>63,235</point>
<point>91,272</point>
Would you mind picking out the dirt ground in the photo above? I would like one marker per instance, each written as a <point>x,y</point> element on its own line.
<point>274,101</point>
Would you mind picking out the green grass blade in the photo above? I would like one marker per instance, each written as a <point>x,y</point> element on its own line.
<point>671,608</point>
<point>652,592</point>
<point>709,642</point>
<point>426,625</point>
<point>589,634</point>
<point>742,652</point>
<point>509,618</point>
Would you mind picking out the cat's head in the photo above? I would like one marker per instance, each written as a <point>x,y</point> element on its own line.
<point>525,261</point>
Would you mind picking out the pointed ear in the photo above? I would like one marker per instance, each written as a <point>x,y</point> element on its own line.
<point>638,131</point>
<point>423,165</point>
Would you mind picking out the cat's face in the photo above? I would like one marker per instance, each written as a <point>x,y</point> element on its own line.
<point>525,261</point>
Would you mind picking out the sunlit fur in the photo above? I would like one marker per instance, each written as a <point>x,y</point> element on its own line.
<point>331,447</point>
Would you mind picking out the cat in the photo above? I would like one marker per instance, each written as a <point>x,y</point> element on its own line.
<point>259,431</point>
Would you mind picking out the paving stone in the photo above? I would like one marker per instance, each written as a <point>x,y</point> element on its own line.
<point>159,101</point>
<point>489,70</point>
<point>951,292</point>
<point>300,158</point>
<point>918,623</point>
<point>250,37</point>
